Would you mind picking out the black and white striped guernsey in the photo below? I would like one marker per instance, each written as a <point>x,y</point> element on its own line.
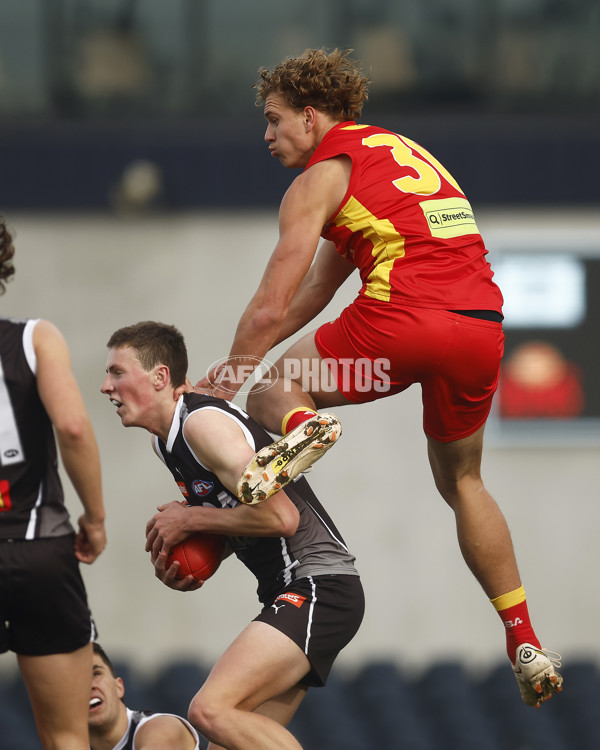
<point>317,548</point>
<point>31,494</point>
<point>136,719</point>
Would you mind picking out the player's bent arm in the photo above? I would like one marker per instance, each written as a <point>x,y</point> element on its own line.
<point>164,733</point>
<point>272,518</point>
<point>61,397</point>
<point>207,431</point>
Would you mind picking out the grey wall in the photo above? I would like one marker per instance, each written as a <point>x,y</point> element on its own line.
<point>91,274</point>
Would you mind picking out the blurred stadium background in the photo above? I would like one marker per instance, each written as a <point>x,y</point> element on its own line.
<point>135,176</point>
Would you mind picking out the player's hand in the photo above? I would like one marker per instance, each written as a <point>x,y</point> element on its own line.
<point>216,383</point>
<point>166,528</point>
<point>90,540</point>
<point>211,380</point>
<point>169,575</point>
<point>204,386</point>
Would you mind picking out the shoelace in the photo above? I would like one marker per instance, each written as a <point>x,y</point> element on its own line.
<point>555,658</point>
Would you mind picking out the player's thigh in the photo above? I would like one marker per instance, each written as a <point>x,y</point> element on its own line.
<point>458,391</point>
<point>302,364</point>
<point>59,690</point>
<point>374,350</point>
<point>260,664</point>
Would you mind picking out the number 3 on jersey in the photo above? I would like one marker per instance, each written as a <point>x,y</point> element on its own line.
<point>426,166</point>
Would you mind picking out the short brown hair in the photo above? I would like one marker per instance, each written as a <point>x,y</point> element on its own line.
<point>102,654</point>
<point>330,82</point>
<point>7,250</point>
<point>155,344</point>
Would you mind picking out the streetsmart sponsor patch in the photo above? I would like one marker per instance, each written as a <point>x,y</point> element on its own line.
<point>449,217</point>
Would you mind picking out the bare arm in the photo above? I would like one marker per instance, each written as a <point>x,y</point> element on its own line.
<point>306,207</point>
<point>164,733</point>
<point>63,402</point>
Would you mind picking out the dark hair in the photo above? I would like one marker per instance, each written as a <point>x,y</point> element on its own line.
<point>330,82</point>
<point>102,654</point>
<point>7,250</point>
<point>155,344</point>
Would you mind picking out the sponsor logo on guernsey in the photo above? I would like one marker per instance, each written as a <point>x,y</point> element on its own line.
<point>183,489</point>
<point>296,599</point>
<point>5,503</point>
<point>449,217</point>
<point>201,487</point>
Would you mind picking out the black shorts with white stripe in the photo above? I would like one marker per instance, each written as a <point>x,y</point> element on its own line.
<point>43,601</point>
<point>321,614</point>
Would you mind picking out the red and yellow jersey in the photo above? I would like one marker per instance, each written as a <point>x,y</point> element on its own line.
<point>406,224</point>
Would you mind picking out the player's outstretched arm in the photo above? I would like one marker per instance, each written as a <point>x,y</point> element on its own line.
<point>307,205</point>
<point>63,402</point>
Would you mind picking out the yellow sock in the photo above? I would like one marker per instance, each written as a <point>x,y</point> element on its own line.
<point>512,608</point>
<point>509,600</point>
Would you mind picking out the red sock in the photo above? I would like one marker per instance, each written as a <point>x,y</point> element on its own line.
<point>295,417</point>
<point>512,608</point>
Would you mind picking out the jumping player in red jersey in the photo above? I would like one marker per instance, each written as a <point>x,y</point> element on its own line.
<point>428,312</point>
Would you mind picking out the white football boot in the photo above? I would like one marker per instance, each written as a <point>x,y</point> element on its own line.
<point>282,461</point>
<point>536,674</point>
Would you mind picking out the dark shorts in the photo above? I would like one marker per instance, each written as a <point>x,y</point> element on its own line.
<point>43,602</point>
<point>376,349</point>
<point>321,614</point>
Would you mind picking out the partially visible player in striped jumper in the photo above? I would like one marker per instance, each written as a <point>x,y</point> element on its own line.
<point>114,726</point>
<point>44,614</point>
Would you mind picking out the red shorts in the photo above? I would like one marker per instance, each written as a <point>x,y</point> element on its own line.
<point>378,349</point>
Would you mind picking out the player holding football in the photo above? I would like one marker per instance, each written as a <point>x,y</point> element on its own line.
<point>311,593</point>
<point>113,726</point>
<point>428,312</point>
<point>44,613</point>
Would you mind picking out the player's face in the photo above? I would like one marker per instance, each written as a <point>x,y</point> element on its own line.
<point>105,698</point>
<point>129,387</point>
<point>286,133</point>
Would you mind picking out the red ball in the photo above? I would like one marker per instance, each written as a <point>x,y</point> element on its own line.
<point>199,555</point>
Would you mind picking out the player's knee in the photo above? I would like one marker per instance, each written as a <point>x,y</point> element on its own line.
<point>456,490</point>
<point>205,715</point>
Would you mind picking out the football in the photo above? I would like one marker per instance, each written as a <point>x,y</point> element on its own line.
<point>199,555</point>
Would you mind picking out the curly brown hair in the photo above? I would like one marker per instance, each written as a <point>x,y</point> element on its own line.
<point>330,82</point>
<point>7,250</point>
